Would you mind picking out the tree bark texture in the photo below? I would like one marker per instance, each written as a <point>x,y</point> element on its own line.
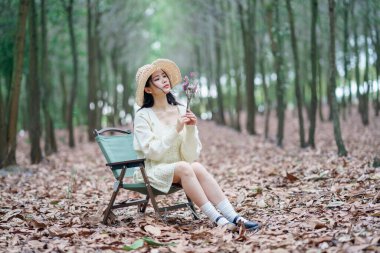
<point>33,89</point>
<point>297,78</point>
<point>18,59</point>
<point>74,86</point>
<point>332,81</point>
<point>50,140</point>
<point>91,78</point>
<point>247,23</point>
<point>313,86</point>
<point>218,58</point>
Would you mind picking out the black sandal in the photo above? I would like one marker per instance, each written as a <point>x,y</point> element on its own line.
<point>249,225</point>
<point>230,226</point>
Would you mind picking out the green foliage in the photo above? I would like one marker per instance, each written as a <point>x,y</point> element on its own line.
<point>149,241</point>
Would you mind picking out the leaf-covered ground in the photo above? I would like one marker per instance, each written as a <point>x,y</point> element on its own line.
<point>307,200</point>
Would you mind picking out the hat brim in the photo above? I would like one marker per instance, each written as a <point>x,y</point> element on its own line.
<point>143,74</point>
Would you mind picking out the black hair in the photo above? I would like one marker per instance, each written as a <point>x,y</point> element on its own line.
<point>149,100</point>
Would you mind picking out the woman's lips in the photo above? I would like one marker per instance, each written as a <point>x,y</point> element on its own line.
<point>167,86</point>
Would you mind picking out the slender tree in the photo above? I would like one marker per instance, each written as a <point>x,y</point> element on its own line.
<point>73,91</point>
<point>218,71</point>
<point>356,52</point>
<point>332,81</point>
<point>91,78</point>
<point>346,55</point>
<point>18,59</point>
<point>50,140</point>
<point>314,63</point>
<point>376,42</point>
<point>33,89</point>
<point>276,47</point>
<point>297,79</point>
<point>364,104</point>
<point>248,35</point>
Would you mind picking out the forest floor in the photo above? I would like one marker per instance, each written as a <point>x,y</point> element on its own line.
<point>307,200</point>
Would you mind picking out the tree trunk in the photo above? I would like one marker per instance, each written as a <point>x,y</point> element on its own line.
<point>377,48</point>
<point>208,51</point>
<point>313,58</point>
<point>18,58</point>
<point>297,81</point>
<point>332,72</point>
<point>218,58</point>
<point>266,95</point>
<point>237,69</point>
<point>34,90</point>
<point>365,96</point>
<point>248,35</point>
<point>115,68</point>
<point>62,82</point>
<point>345,51</point>
<point>98,66</point>
<point>74,53</point>
<point>3,128</point>
<point>91,78</point>
<point>229,63</point>
<point>276,47</point>
<point>356,53</point>
<point>50,140</point>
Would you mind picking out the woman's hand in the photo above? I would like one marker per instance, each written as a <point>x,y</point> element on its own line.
<point>181,123</point>
<point>192,118</point>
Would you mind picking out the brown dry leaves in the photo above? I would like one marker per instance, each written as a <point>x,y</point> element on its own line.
<point>305,199</point>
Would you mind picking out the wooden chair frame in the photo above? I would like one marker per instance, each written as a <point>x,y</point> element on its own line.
<point>141,203</point>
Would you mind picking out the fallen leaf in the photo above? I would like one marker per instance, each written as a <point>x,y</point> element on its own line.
<point>291,177</point>
<point>11,214</point>
<point>156,231</point>
<point>335,204</point>
<point>261,203</point>
<point>37,223</point>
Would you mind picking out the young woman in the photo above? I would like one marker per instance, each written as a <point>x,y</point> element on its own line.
<point>167,136</point>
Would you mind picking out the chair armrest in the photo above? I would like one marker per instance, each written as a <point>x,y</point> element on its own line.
<point>111,129</point>
<point>128,164</point>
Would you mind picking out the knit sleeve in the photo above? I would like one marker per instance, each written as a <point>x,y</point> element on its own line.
<point>146,141</point>
<point>191,145</point>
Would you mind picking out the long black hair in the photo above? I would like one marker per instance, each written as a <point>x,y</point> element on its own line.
<point>149,100</point>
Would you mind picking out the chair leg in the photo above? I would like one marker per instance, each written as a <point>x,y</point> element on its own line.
<point>142,207</point>
<point>150,191</point>
<point>107,212</point>
<point>192,209</point>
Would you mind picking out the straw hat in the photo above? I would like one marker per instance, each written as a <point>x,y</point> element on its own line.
<point>143,73</point>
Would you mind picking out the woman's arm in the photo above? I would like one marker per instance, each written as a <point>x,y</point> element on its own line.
<point>191,145</point>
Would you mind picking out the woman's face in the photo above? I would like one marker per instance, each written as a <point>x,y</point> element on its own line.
<point>159,83</point>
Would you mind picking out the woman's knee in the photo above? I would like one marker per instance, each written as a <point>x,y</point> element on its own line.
<point>184,169</point>
<point>199,169</point>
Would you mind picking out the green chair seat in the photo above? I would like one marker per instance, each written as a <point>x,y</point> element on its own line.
<point>141,188</point>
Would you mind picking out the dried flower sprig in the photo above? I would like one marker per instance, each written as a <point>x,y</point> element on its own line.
<point>190,86</point>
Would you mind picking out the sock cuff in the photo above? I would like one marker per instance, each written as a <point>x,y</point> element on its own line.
<point>206,206</point>
<point>223,203</point>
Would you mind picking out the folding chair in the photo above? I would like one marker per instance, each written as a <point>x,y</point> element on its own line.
<point>122,160</point>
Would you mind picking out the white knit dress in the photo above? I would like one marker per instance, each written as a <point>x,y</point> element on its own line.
<point>163,147</point>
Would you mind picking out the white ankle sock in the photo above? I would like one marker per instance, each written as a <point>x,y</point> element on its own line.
<point>228,211</point>
<point>213,214</point>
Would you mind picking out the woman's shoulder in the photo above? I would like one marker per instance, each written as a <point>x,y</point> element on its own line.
<point>142,113</point>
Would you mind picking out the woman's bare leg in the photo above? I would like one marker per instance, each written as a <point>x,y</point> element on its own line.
<point>215,194</point>
<point>184,174</point>
<point>209,185</point>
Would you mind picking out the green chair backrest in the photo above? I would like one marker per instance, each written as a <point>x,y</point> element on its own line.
<point>118,148</point>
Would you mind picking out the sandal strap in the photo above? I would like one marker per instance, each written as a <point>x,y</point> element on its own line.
<point>236,219</point>
<point>221,216</point>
